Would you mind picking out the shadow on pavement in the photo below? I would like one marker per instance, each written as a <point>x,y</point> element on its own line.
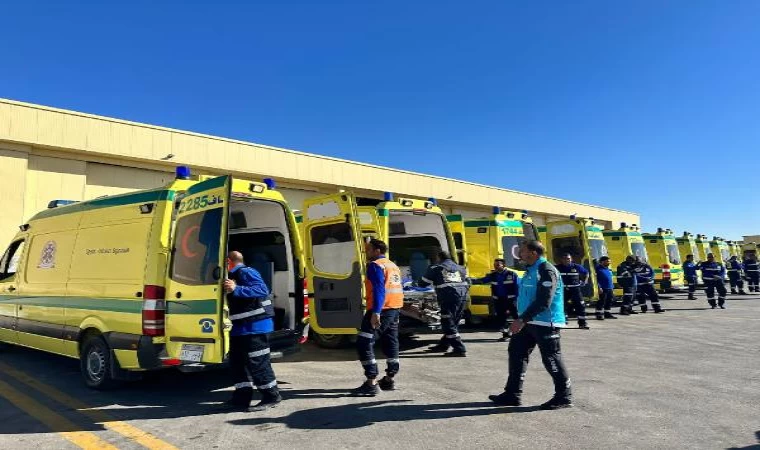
<point>360,415</point>
<point>749,447</point>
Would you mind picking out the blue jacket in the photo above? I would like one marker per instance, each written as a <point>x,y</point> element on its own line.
<point>644,273</point>
<point>504,284</point>
<point>735,268</point>
<point>625,275</point>
<point>540,300</point>
<point>573,275</point>
<point>604,277</point>
<point>449,280</point>
<point>250,285</point>
<point>689,269</point>
<point>712,270</point>
<point>376,277</point>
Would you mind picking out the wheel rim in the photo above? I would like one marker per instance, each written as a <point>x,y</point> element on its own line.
<point>96,363</point>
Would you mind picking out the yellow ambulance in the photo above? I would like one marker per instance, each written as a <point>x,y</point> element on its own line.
<point>703,244</point>
<point>665,259</point>
<point>750,248</point>
<point>133,282</point>
<point>687,245</point>
<point>623,242</point>
<point>487,238</point>
<point>334,231</point>
<point>735,249</point>
<point>583,239</point>
<point>719,248</point>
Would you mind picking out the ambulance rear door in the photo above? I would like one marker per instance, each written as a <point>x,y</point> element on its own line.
<point>194,295</point>
<point>456,226</point>
<point>334,253</point>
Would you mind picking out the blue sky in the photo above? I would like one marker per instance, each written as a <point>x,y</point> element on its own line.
<point>646,106</point>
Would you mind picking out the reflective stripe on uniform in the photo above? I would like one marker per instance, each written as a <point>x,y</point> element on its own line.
<point>369,362</point>
<point>445,316</point>
<point>426,280</point>
<point>391,360</point>
<point>255,312</point>
<point>366,335</point>
<point>243,385</point>
<point>452,336</point>
<point>268,385</point>
<point>259,353</point>
<point>394,291</point>
<point>450,285</point>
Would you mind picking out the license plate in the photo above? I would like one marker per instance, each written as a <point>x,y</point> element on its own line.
<point>193,353</point>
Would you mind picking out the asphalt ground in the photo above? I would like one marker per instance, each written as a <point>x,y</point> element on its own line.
<point>689,378</point>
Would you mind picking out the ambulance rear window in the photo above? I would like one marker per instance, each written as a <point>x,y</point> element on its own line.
<point>196,248</point>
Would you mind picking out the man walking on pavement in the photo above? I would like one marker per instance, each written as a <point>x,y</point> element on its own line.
<point>451,287</point>
<point>713,274</point>
<point>752,269</point>
<point>251,313</point>
<point>690,274</point>
<point>606,287</point>
<point>645,286</point>
<point>504,283</point>
<point>574,276</point>
<point>385,296</point>
<point>541,315</point>
<point>735,275</point>
<point>626,278</point>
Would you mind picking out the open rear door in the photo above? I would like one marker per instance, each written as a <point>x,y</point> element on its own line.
<point>195,299</point>
<point>334,251</point>
<point>456,226</point>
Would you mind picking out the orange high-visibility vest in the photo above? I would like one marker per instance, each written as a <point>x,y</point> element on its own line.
<point>394,291</point>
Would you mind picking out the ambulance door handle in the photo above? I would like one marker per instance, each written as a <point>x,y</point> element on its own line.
<point>178,295</point>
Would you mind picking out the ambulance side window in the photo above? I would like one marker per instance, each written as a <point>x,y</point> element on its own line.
<point>10,261</point>
<point>195,256</point>
<point>333,248</point>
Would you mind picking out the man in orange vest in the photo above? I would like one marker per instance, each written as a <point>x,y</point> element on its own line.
<point>385,297</point>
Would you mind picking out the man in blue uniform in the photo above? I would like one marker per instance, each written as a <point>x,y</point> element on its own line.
<point>627,280</point>
<point>504,284</point>
<point>574,276</point>
<point>735,275</point>
<point>752,269</point>
<point>690,274</point>
<point>645,286</point>
<point>451,287</point>
<point>541,315</point>
<point>251,313</point>
<point>606,286</point>
<point>713,274</point>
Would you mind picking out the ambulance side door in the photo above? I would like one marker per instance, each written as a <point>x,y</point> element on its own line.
<point>334,253</point>
<point>10,262</point>
<point>194,295</point>
<point>456,227</point>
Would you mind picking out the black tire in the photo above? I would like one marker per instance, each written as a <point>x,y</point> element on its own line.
<point>331,341</point>
<point>95,363</point>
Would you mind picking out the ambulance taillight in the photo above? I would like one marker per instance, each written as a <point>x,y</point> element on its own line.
<point>153,310</point>
<point>665,271</point>
<point>305,336</point>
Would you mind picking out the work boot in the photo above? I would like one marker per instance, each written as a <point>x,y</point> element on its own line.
<point>557,403</point>
<point>644,309</point>
<point>505,399</point>
<point>504,337</point>
<point>599,316</point>
<point>658,309</point>
<point>241,399</point>
<point>624,312</point>
<point>269,399</point>
<point>721,307</point>
<point>438,348</point>
<point>456,353</point>
<point>733,291</point>
<point>632,312</point>
<point>691,297</point>
<point>583,325</point>
<point>367,389</point>
<point>387,384</point>
<point>742,292</point>
<point>608,315</point>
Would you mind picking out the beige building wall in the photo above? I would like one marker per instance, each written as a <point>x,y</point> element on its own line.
<point>752,238</point>
<point>47,154</point>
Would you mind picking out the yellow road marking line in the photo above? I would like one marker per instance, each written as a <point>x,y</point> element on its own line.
<point>52,420</point>
<point>131,432</point>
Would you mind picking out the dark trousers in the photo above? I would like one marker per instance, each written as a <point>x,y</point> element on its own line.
<point>713,285</point>
<point>365,342</point>
<point>521,346</point>
<point>647,291</point>
<point>629,298</point>
<point>574,299</point>
<point>753,280</point>
<point>504,308</point>
<point>606,297</point>
<point>250,365</point>
<point>735,279</point>
<point>692,283</point>
<point>451,314</point>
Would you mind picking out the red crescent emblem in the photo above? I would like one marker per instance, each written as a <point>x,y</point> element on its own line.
<point>185,250</point>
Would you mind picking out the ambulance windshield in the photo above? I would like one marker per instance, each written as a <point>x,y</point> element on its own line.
<point>638,249</point>
<point>673,256</point>
<point>724,253</point>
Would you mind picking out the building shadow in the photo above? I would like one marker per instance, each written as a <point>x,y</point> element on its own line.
<point>360,415</point>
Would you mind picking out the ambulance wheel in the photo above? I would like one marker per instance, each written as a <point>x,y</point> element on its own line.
<point>95,363</point>
<point>330,340</point>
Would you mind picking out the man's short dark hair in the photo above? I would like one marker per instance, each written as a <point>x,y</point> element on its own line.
<point>534,246</point>
<point>377,244</point>
<point>604,258</point>
<point>689,256</point>
<point>443,256</point>
<point>567,255</point>
<point>501,260</point>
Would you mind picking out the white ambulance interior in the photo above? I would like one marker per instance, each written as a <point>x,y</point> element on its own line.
<point>415,238</point>
<point>259,230</point>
